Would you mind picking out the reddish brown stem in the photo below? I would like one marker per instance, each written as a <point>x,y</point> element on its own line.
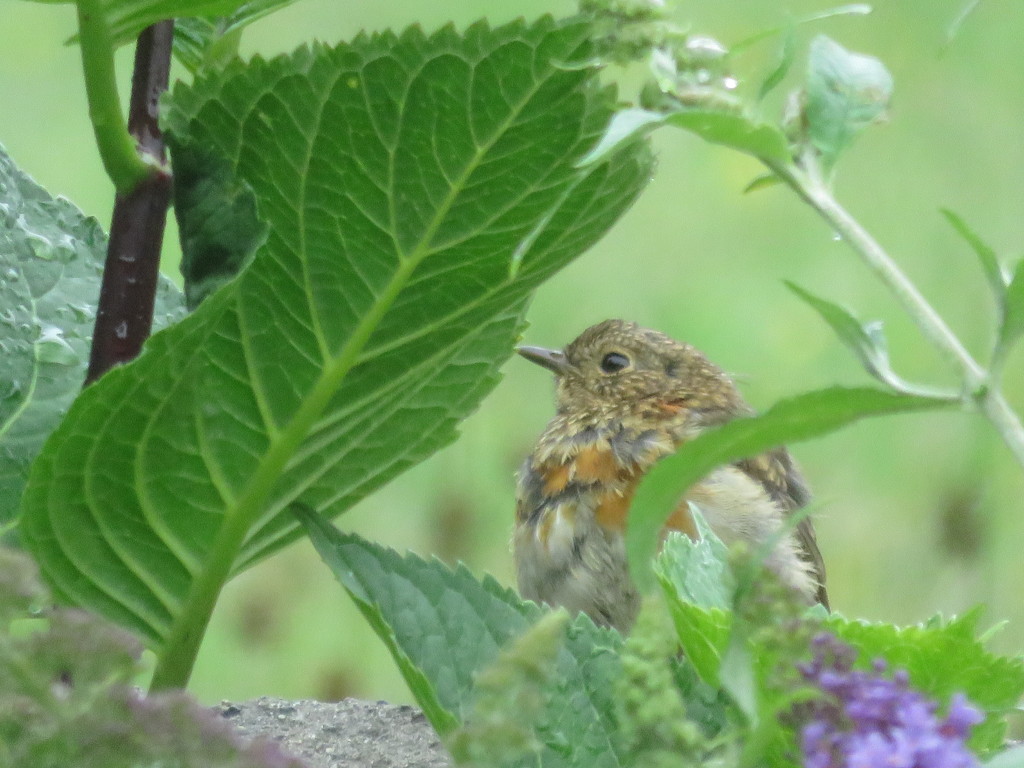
<point>124,316</point>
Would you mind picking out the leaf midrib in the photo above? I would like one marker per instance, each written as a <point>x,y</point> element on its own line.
<point>237,521</point>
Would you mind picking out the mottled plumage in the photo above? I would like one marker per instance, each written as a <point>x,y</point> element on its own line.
<point>626,397</point>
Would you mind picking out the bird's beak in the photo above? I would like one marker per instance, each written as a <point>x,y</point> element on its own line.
<point>552,359</point>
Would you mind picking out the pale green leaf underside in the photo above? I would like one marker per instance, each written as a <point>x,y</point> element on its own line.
<point>398,177</point>
<point>698,586</point>
<point>51,257</point>
<point>444,627</point>
<point>737,131</point>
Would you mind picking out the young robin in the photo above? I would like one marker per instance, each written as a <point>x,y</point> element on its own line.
<point>626,397</point>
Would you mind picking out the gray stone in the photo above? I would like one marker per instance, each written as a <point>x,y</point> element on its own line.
<point>344,734</point>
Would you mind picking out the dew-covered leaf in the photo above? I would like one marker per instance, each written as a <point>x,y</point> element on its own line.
<point>51,262</point>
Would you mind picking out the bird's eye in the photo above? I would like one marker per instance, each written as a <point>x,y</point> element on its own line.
<point>614,362</point>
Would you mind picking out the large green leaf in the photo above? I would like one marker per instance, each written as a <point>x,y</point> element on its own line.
<point>444,627</point>
<point>416,190</point>
<point>51,261</point>
<point>797,418</point>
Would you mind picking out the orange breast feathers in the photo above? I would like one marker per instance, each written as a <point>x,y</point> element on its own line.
<point>595,477</point>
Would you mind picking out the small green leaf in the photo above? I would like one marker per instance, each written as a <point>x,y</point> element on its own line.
<point>846,92</point>
<point>994,272</point>
<point>797,418</point>
<point>211,41</point>
<point>786,57</point>
<point>626,125</point>
<point>763,181</point>
<point>761,140</point>
<point>697,572</point>
<point>1012,325</point>
<point>855,9</point>
<point>942,658</point>
<point>866,341</point>
<point>737,674</point>
<point>698,585</point>
<point>444,627</point>
<point>849,329</point>
<point>51,266</point>
<point>733,130</point>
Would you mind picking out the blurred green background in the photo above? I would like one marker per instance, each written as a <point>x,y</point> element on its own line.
<point>916,514</point>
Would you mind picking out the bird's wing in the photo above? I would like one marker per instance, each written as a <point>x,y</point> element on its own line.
<point>809,548</point>
<point>777,471</point>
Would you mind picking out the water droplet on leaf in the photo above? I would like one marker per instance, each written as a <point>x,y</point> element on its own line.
<point>51,347</point>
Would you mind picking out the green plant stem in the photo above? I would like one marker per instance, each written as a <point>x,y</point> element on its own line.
<point>177,658</point>
<point>121,159</point>
<point>807,180</point>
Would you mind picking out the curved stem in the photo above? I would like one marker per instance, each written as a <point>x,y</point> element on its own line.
<point>807,181</point>
<point>117,147</point>
<point>124,314</point>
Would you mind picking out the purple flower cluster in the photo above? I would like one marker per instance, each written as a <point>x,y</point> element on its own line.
<point>867,720</point>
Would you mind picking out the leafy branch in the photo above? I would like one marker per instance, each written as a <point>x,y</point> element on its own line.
<point>844,93</point>
<point>980,386</point>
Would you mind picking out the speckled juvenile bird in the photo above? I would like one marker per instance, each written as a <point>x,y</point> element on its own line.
<point>626,397</point>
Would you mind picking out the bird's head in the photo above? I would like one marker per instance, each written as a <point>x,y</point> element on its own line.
<point>618,369</point>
